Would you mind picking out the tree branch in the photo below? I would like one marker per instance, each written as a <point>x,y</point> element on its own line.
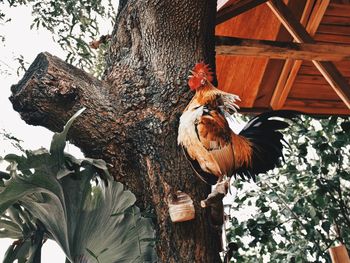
<point>214,201</point>
<point>51,91</point>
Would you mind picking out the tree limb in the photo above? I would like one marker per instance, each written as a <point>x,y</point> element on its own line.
<point>214,201</point>
<point>51,91</point>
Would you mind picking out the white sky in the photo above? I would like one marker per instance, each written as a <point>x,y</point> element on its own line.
<point>20,40</point>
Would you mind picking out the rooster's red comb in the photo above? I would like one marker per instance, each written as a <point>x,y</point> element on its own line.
<point>204,70</point>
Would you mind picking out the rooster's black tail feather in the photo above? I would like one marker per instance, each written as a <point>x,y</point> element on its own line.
<point>263,132</point>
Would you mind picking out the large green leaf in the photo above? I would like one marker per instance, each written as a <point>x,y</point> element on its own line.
<point>77,203</point>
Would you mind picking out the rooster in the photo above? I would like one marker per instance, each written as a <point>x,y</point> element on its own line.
<point>213,149</point>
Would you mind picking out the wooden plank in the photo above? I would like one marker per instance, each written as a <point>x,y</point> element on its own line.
<point>297,102</point>
<point>334,29</point>
<point>244,25</point>
<point>234,8</point>
<point>314,79</point>
<point>237,79</point>
<point>328,70</point>
<point>307,108</point>
<point>232,46</point>
<point>312,109</point>
<point>309,69</point>
<point>312,71</point>
<point>340,64</point>
<point>291,101</point>
<point>311,79</point>
<point>291,68</point>
<point>338,10</point>
<point>313,91</point>
<point>336,20</point>
<point>332,38</point>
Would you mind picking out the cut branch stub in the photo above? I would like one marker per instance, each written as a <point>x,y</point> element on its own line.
<point>214,201</point>
<point>51,91</point>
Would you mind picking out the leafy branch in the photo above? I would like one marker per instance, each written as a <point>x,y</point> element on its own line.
<point>303,206</point>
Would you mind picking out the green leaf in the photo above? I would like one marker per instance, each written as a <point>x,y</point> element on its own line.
<point>345,126</point>
<point>58,142</point>
<point>264,209</point>
<point>312,212</point>
<point>10,229</point>
<point>239,231</point>
<point>326,225</point>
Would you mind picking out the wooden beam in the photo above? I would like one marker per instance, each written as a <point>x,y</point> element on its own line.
<point>234,8</point>
<point>305,17</point>
<point>294,27</point>
<point>327,69</point>
<point>312,109</point>
<point>275,66</point>
<point>221,3</point>
<point>316,17</point>
<point>339,254</point>
<point>232,46</point>
<point>311,18</point>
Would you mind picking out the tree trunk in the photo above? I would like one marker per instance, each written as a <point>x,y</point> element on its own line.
<point>132,115</point>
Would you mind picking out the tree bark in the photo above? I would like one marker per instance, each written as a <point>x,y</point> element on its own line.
<point>132,115</point>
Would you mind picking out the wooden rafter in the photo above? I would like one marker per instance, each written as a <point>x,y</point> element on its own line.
<point>221,3</point>
<point>232,46</point>
<point>237,7</point>
<point>311,18</point>
<point>294,27</point>
<point>327,69</point>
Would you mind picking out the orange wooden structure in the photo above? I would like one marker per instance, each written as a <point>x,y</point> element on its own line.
<point>339,254</point>
<point>304,66</point>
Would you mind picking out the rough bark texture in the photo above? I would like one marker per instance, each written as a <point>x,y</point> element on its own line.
<point>132,115</point>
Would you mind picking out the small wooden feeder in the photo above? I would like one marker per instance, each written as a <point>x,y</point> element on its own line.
<point>180,207</point>
<point>339,254</point>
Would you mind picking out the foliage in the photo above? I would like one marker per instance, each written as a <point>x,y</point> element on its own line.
<point>51,194</point>
<point>15,142</point>
<point>99,66</point>
<point>302,208</point>
<point>73,23</point>
<point>23,65</point>
<point>3,20</point>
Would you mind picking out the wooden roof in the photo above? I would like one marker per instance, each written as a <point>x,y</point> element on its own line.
<point>304,65</point>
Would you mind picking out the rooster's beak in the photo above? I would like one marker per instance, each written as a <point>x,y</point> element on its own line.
<point>193,73</point>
